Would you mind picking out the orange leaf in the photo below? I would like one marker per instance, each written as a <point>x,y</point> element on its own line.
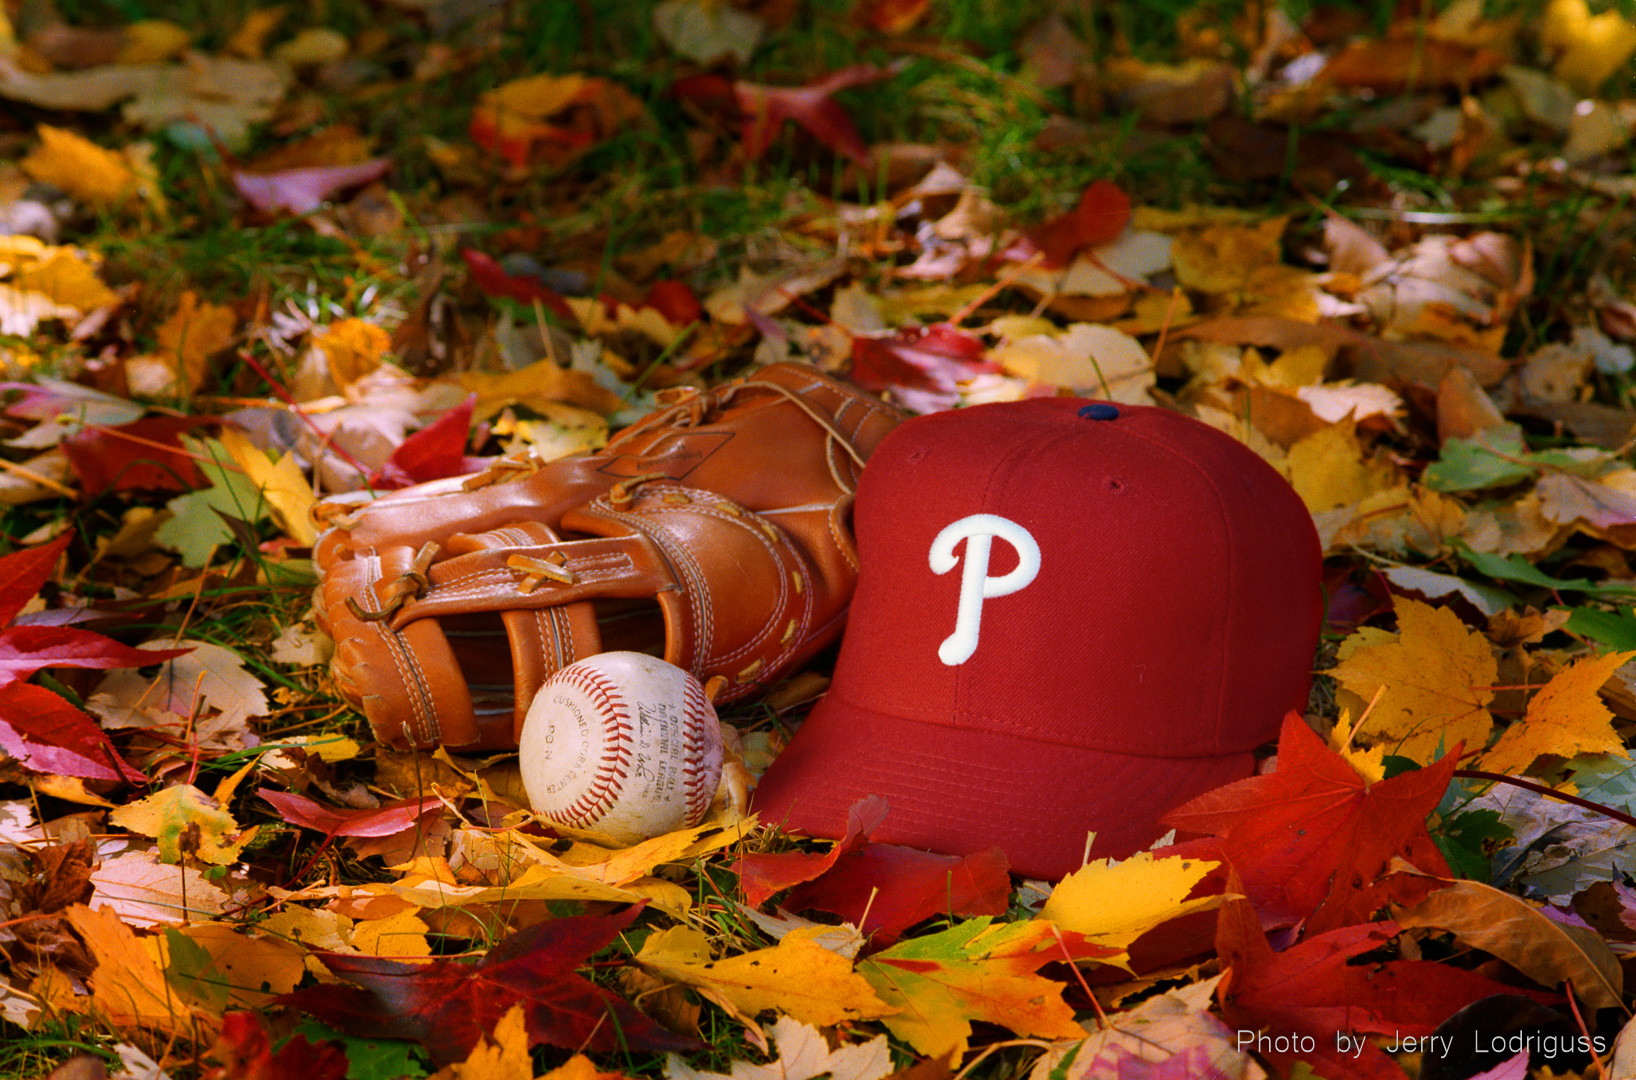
<point>1566,719</point>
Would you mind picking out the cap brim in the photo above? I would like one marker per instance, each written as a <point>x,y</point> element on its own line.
<point>957,791</point>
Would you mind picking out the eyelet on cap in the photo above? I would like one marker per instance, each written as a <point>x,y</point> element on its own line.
<point>1099,410</point>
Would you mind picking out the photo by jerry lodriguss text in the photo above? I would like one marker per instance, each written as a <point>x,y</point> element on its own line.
<point>1540,1045</point>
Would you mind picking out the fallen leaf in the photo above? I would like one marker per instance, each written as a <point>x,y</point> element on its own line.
<point>976,970</point>
<point>1095,360</point>
<point>380,821</point>
<point>44,717</point>
<point>551,118</point>
<point>186,822</point>
<point>281,484</point>
<point>301,191</point>
<point>1099,217</point>
<point>245,1051</point>
<point>246,969</point>
<point>803,1054</point>
<point>705,32</point>
<point>436,451</point>
<point>142,891</point>
<point>142,455</point>
<point>1312,989</point>
<point>1590,47</point>
<point>448,1005</point>
<point>1567,500</point>
<point>762,875</point>
<point>1546,950</point>
<point>192,335</point>
<point>202,674</point>
<point>797,977</point>
<point>1400,65</point>
<point>921,366</point>
<point>128,987</point>
<point>27,649</point>
<point>1308,838</point>
<point>1173,1030</point>
<point>764,109</point>
<point>1113,903</point>
<point>80,167</point>
<point>884,889</point>
<point>1438,679</point>
<point>1566,718</point>
<point>543,384</point>
<point>890,16</point>
<point>67,277</point>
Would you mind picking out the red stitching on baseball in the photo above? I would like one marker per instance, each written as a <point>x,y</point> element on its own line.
<point>695,740</point>
<point>618,738</point>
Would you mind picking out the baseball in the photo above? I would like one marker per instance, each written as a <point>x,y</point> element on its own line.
<point>622,743</point>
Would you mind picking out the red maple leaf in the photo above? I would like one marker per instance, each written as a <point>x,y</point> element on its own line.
<point>246,1054</point>
<point>44,731</point>
<point>763,875</point>
<point>881,888</point>
<point>381,821</point>
<point>764,109</point>
<point>50,735</point>
<point>1315,833</point>
<point>492,278</point>
<point>144,454</point>
<point>432,453</point>
<point>922,366</point>
<point>1313,995</point>
<point>1101,215</point>
<point>447,1005</point>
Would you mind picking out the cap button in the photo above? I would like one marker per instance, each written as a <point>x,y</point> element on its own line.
<point>1099,410</point>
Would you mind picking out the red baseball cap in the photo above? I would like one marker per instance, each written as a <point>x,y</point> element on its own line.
<point>1070,618</point>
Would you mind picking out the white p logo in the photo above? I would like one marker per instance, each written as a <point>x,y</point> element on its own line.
<point>978,531</point>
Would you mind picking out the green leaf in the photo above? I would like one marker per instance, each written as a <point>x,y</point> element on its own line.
<point>1518,569</point>
<point>370,1059</point>
<point>193,971</point>
<point>1492,458</point>
<point>1468,841</point>
<point>198,528</point>
<point>1615,629</point>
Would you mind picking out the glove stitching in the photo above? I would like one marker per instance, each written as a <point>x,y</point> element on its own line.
<point>413,678</point>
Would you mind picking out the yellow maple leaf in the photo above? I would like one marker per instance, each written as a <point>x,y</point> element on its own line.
<point>1114,903</point>
<point>66,276</point>
<point>194,332</point>
<point>543,882</point>
<point>1566,718</point>
<point>353,348</point>
<point>1591,47</point>
<point>1438,677</point>
<point>977,970</point>
<point>1400,520</point>
<point>396,937</point>
<point>535,97</point>
<point>1328,468</point>
<point>578,1067</point>
<point>251,969</point>
<point>128,987</point>
<point>80,167</point>
<point>152,41</point>
<point>542,383</point>
<point>282,484</point>
<point>503,1055</point>
<point>798,977</point>
<point>1242,268</point>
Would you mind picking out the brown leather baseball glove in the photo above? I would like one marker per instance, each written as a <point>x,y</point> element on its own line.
<point>715,532</point>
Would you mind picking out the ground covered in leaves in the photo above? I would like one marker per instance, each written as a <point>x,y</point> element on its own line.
<point>257,255</point>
